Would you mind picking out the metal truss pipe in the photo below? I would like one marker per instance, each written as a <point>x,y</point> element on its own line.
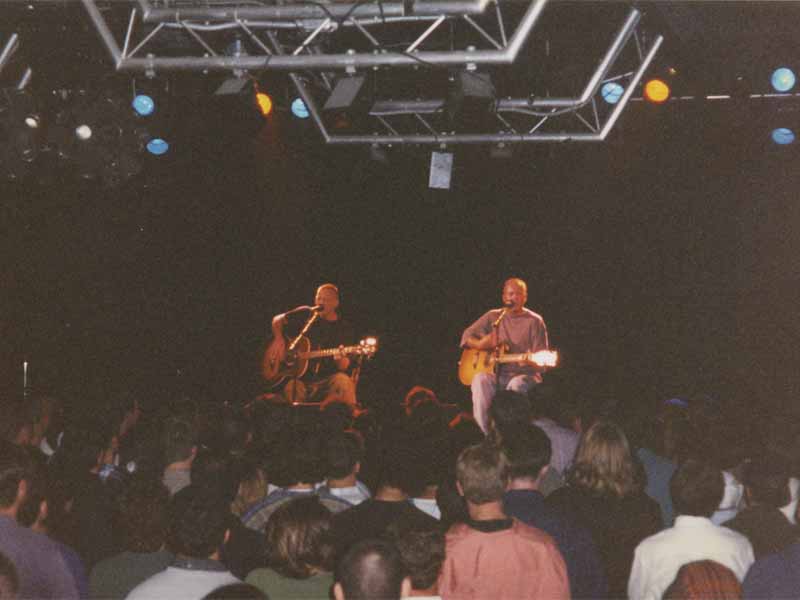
<point>8,50</point>
<point>151,14</point>
<point>507,138</point>
<point>289,62</point>
<point>622,37</point>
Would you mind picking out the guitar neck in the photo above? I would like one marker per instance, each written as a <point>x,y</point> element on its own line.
<point>328,352</point>
<point>509,358</point>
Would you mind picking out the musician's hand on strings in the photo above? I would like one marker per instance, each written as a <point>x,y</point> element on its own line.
<point>341,359</point>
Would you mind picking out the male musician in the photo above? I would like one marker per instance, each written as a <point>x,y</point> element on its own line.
<point>520,330</point>
<point>327,378</point>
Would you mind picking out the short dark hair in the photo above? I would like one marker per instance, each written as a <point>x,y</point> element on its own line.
<point>528,450</point>
<point>482,472</point>
<point>197,526</point>
<point>421,548</point>
<point>696,488</point>
<point>143,513</point>
<point>510,409</point>
<point>343,450</point>
<point>14,468</point>
<point>217,472</point>
<point>298,536</point>
<point>767,481</point>
<point>371,569</point>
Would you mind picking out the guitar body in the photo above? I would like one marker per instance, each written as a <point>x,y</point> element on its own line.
<point>473,362</point>
<point>289,366</point>
<point>483,361</point>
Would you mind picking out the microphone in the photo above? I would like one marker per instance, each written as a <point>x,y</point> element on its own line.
<point>316,308</point>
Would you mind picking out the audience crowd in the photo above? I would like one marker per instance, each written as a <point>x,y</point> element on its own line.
<point>119,498</point>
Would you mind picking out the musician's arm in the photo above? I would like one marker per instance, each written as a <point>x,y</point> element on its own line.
<point>479,335</point>
<point>277,348</point>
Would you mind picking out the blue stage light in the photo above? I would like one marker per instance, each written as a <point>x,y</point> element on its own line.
<point>299,109</point>
<point>143,105</point>
<point>782,136</point>
<point>783,79</point>
<point>612,92</point>
<point>157,146</point>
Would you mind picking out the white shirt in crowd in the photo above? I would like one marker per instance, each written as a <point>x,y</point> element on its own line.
<point>658,558</point>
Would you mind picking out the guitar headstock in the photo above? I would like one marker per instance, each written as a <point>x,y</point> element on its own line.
<point>545,358</point>
<point>368,346</point>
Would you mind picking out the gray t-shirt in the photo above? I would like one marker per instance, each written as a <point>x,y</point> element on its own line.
<point>522,332</point>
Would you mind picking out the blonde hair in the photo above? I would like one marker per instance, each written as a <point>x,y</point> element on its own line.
<point>482,472</point>
<point>603,462</point>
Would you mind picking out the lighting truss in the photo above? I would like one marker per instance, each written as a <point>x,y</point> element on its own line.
<point>316,43</point>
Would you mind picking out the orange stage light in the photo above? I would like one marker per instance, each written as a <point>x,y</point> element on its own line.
<point>656,91</point>
<point>264,103</point>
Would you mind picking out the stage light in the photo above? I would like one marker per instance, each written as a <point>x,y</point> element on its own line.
<point>783,79</point>
<point>656,91</point>
<point>299,109</point>
<point>20,133</point>
<point>612,92</point>
<point>264,103</point>
<point>345,93</point>
<point>143,105</point>
<point>471,100</point>
<point>83,132</point>
<point>783,136</point>
<point>157,146</point>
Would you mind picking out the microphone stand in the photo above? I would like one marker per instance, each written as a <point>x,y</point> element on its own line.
<point>495,329</point>
<point>309,322</point>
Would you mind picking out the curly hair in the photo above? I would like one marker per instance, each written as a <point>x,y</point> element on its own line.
<point>299,538</point>
<point>603,462</point>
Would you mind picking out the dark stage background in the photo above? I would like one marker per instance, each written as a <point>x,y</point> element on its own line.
<point>664,261</point>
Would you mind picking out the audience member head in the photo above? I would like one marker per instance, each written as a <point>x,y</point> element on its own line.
<point>143,514</point>
<point>45,412</point>
<point>15,424</point>
<point>396,468</point>
<point>528,450</point>
<point>179,440</point>
<point>33,511</point>
<point>766,482</point>
<point>15,472</point>
<point>9,580</point>
<point>236,591</point>
<point>198,527</point>
<point>230,433</point>
<point>299,461</point>
<point>336,415</point>
<point>696,488</point>
<point>216,473</point>
<point>344,453</point>
<point>482,473</point>
<point>371,569</point>
<point>704,580</point>
<point>298,536</point>
<point>508,410</point>
<point>421,549</point>
<point>603,462</point>
<point>418,395</point>
<point>253,484</point>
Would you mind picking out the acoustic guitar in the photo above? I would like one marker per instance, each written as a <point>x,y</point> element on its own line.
<point>295,363</point>
<point>484,361</point>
